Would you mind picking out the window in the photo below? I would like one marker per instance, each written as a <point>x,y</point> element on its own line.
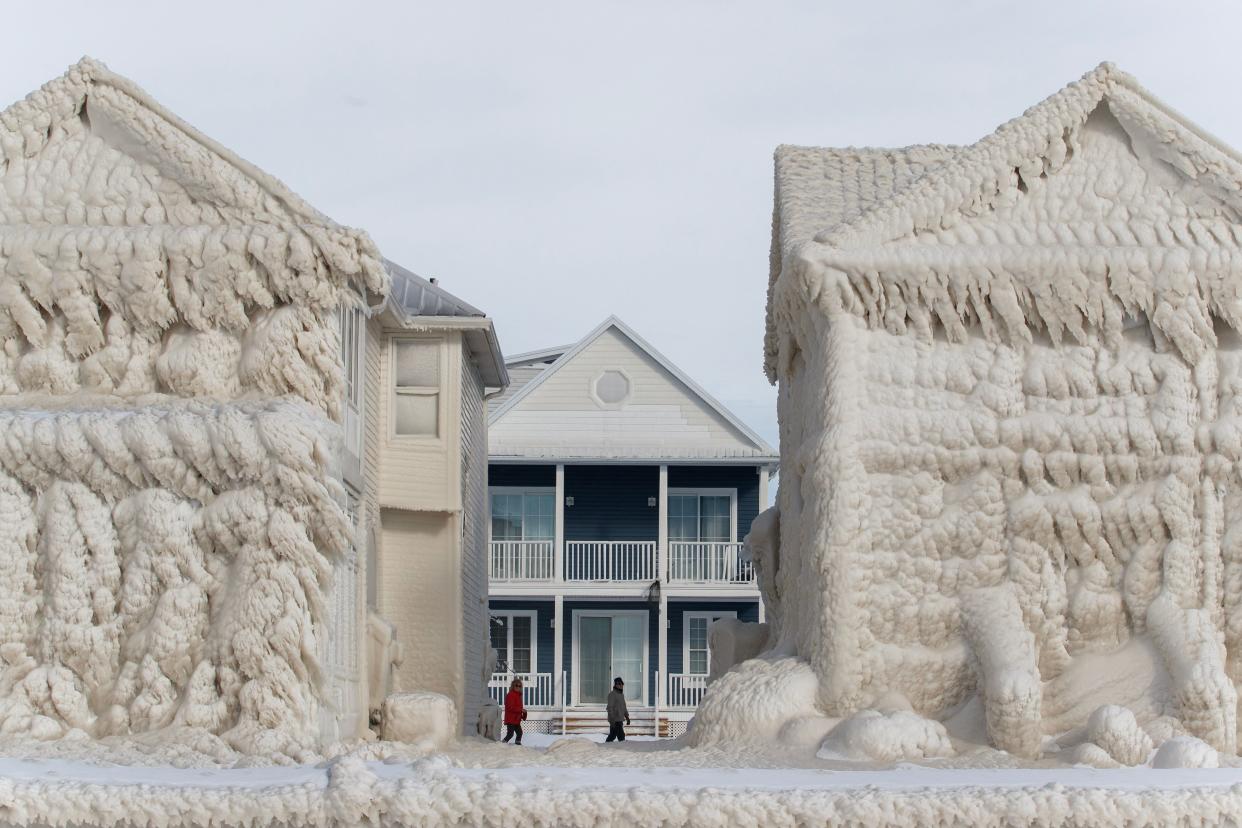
<point>353,333</point>
<point>513,640</point>
<point>705,516</point>
<point>697,657</point>
<point>416,379</point>
<point>612,387</point>
<point>523,514</point>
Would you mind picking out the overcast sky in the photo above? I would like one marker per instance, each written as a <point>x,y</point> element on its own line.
<point>555,163</point>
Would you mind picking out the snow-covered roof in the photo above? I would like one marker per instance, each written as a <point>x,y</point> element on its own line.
<point>414,301</point>
<point>568,426</point>
<point>186,195</point>
<point>422,297</point>
<point>1004,235</point>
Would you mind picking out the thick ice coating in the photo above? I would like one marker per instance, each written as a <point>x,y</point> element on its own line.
<point>169,378</point>
<point>1011,424</point>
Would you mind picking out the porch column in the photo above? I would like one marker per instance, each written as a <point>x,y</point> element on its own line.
<point>662,531</point>
<point>662,683</point>
<point>558,535</point>
<point>762,615</point>
<point>558,645</point>
<point>763,491</point>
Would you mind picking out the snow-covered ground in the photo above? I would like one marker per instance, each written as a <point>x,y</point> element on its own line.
<point>580,782</point>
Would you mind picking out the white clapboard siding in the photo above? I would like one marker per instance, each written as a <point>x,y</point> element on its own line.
<point>662,415</point>
<point>474,539</point>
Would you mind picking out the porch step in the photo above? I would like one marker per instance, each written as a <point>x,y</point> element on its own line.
<point>641,724</point>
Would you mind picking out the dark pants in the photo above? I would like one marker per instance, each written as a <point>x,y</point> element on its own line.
<point>510,730</point>
<point>615,731</point>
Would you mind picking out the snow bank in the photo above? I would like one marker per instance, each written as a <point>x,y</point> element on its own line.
<point>432,792</point>
<point>753,702</point>
<point>420,718</point>
<point>1115,730</point>
<point>899,735</point>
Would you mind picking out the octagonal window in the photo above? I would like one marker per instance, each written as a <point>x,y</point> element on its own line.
<point>612,387</point>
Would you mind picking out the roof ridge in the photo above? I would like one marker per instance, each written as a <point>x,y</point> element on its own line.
<point>971,176</point>
<point>75,84</point>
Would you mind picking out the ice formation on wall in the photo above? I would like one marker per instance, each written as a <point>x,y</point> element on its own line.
<point>1011,425</point>
<point>169,377</point>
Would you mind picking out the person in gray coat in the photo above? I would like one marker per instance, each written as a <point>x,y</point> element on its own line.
<point>617,711</point>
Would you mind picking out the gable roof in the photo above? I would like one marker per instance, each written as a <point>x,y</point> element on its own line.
<point>184,190</point>
<point>884,206</point>
<point>760,449</point>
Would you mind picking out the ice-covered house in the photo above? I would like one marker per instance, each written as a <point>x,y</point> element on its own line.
<point>175,493</point>
<point>1011,429</point>
<point>619,493</point>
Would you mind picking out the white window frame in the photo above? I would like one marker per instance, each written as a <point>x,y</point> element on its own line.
<point>533,615</point>
<point>394,392</point>
<point>577,637</point>
<point>352,320</point>
<point>613,406</point>
<point>522,490</point>
<point>710,492</point>
<point>685,636</point>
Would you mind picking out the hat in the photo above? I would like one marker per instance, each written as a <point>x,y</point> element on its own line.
<point>618,680</point>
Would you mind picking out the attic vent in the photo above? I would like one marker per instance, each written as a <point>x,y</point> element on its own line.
<point>611,388</point>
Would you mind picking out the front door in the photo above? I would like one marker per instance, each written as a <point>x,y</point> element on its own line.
<point>610,646</point>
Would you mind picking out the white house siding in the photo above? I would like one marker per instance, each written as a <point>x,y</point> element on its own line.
<point>421,473</point>
<point>661,416</point>
<point>474,538</point>
<point>519,375</point>
<point>419,561</point>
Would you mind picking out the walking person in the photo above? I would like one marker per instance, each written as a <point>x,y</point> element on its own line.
<point>515,712</point>
<point>617,711</point>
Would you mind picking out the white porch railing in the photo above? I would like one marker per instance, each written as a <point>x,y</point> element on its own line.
<point>537,688</point>
<point>686,689</point>
<point>708,563</point>
<point>610,561</point>
<point>521,560</point>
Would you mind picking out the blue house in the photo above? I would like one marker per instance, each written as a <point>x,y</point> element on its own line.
<point>619,492</point>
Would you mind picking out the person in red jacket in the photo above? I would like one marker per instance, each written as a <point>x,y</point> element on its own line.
<point>515,711</point>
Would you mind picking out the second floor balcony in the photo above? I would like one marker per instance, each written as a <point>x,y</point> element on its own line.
<point>686,562</point>
<point>634,525</point>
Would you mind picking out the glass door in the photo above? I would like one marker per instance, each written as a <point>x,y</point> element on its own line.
<point>594,658</point>
<point>610,646</point>
<point>627,653</point>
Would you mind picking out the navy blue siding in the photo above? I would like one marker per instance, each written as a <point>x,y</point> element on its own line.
<point>746,611</point>
<point>653,636</point>
<point>743,478</point>
<point>545,636</point>
<point>521,475</point>
<point>610,503</point>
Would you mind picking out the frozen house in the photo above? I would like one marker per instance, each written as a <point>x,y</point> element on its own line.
<point>190,471</point>
<point>619,491</point>
<point>1009,379</point>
